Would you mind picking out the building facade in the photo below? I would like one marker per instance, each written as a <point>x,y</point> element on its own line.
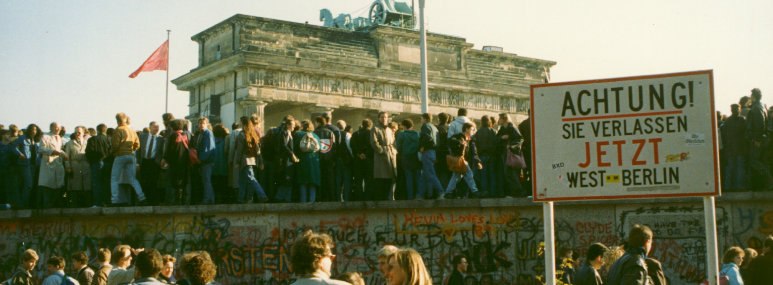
<point>252,65</point>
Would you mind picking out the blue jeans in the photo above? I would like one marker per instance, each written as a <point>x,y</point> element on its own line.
<point>206,180</point>
<point>735,173</point>
<point>487,175</point>
<point>308,193</point>
<point>247,180</point>
<point>343,181</point>
<point>430,182</point>
<point>468,178</point>
<point>27,184</point>
<point>412,182</point>
<point>96,183</point>
<point>284,189</point>
<point>128,165</point>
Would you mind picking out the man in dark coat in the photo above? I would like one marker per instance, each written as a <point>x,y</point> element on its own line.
<point>588,274</point>
<point>97,153</point>
<point>734,150</point>
<point>756,132</point>
<point>631,268</point>
<point>363,160</point>
<point>460,268</point>
<point>761,268</point>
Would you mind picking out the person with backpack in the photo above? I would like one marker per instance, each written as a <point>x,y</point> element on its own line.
<point>462,158</point>
<point>248,156</point>
<point>308,171</point>
<point>56,276</point>
<point>23,273</point>
<point>327,163</point>
<point>177,162</point>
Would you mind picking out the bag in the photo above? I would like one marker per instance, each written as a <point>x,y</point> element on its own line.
<point>456,164</point>
<point>193,154</point>
<point>723,279</point>
<point>515,159</point>
<point>327,142</point>
<point>308,143</point>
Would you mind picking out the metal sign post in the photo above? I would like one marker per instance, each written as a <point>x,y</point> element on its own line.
<point>712,262</point>
<point>550,251</point>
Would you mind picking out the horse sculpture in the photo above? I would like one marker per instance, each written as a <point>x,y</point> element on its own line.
<point>343,21</point>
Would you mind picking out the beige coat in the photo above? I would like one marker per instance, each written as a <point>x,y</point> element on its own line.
<point>77,164</point>
<point>51,166</point>
<point>384,153</point>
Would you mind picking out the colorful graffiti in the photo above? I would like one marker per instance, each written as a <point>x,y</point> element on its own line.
<point>503,244</point>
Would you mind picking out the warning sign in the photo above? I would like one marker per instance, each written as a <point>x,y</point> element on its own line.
<point>638,137</point>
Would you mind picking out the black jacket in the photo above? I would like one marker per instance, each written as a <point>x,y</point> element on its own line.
<point>587,275</point>
<point>755,122</point>
<point>513,137</point>
<point>631,268</point>
<point>486,141</point>
<point>97,148</point>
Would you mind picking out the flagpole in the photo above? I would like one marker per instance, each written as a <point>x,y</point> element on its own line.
<point>166,103</point>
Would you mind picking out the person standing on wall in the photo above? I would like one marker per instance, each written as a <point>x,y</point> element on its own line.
<point>123,145</point>
<point>382,140</point>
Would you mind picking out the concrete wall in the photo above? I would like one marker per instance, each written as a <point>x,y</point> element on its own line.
<point>251,242</point>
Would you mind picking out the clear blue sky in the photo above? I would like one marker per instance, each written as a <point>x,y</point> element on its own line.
<point>69,61</point>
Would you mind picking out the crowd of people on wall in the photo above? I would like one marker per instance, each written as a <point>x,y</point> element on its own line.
<point>297,161</point>
<point>311,160</point>
<point>312,257</point>
<point>746,149</point>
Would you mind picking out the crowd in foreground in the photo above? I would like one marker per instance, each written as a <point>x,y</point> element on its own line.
<point>311,160</point>
<point>312,258</point>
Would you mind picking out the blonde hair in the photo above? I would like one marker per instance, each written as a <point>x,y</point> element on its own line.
<point>612,255</point>
<point>30,254</point>
<point>411,262</point>
<point>387,250</point>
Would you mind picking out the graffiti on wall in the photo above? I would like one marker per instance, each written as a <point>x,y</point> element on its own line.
<point>502,244</point>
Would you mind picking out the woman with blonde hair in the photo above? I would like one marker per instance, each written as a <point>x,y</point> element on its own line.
<point>407,268</point>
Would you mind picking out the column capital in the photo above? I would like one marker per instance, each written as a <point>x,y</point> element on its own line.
<point>320,109</point>
<point>247,102</point>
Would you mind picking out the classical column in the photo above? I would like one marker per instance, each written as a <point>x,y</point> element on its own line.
<point>251,106</point>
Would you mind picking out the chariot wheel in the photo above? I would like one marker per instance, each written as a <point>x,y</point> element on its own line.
<point>377,13</point>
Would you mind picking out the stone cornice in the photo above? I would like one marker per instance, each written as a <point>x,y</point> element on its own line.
<point>510,57</point>
<point>323,207</point>
<point>208,72</point>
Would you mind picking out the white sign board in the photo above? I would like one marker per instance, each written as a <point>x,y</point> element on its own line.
<point>637,137</point>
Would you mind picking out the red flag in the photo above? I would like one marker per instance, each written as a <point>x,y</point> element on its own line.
<point>159,60</point>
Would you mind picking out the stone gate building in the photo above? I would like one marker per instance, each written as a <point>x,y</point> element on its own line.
<point>273,68</point>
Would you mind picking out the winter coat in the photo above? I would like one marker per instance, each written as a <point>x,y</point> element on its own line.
<point>384,153</point>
